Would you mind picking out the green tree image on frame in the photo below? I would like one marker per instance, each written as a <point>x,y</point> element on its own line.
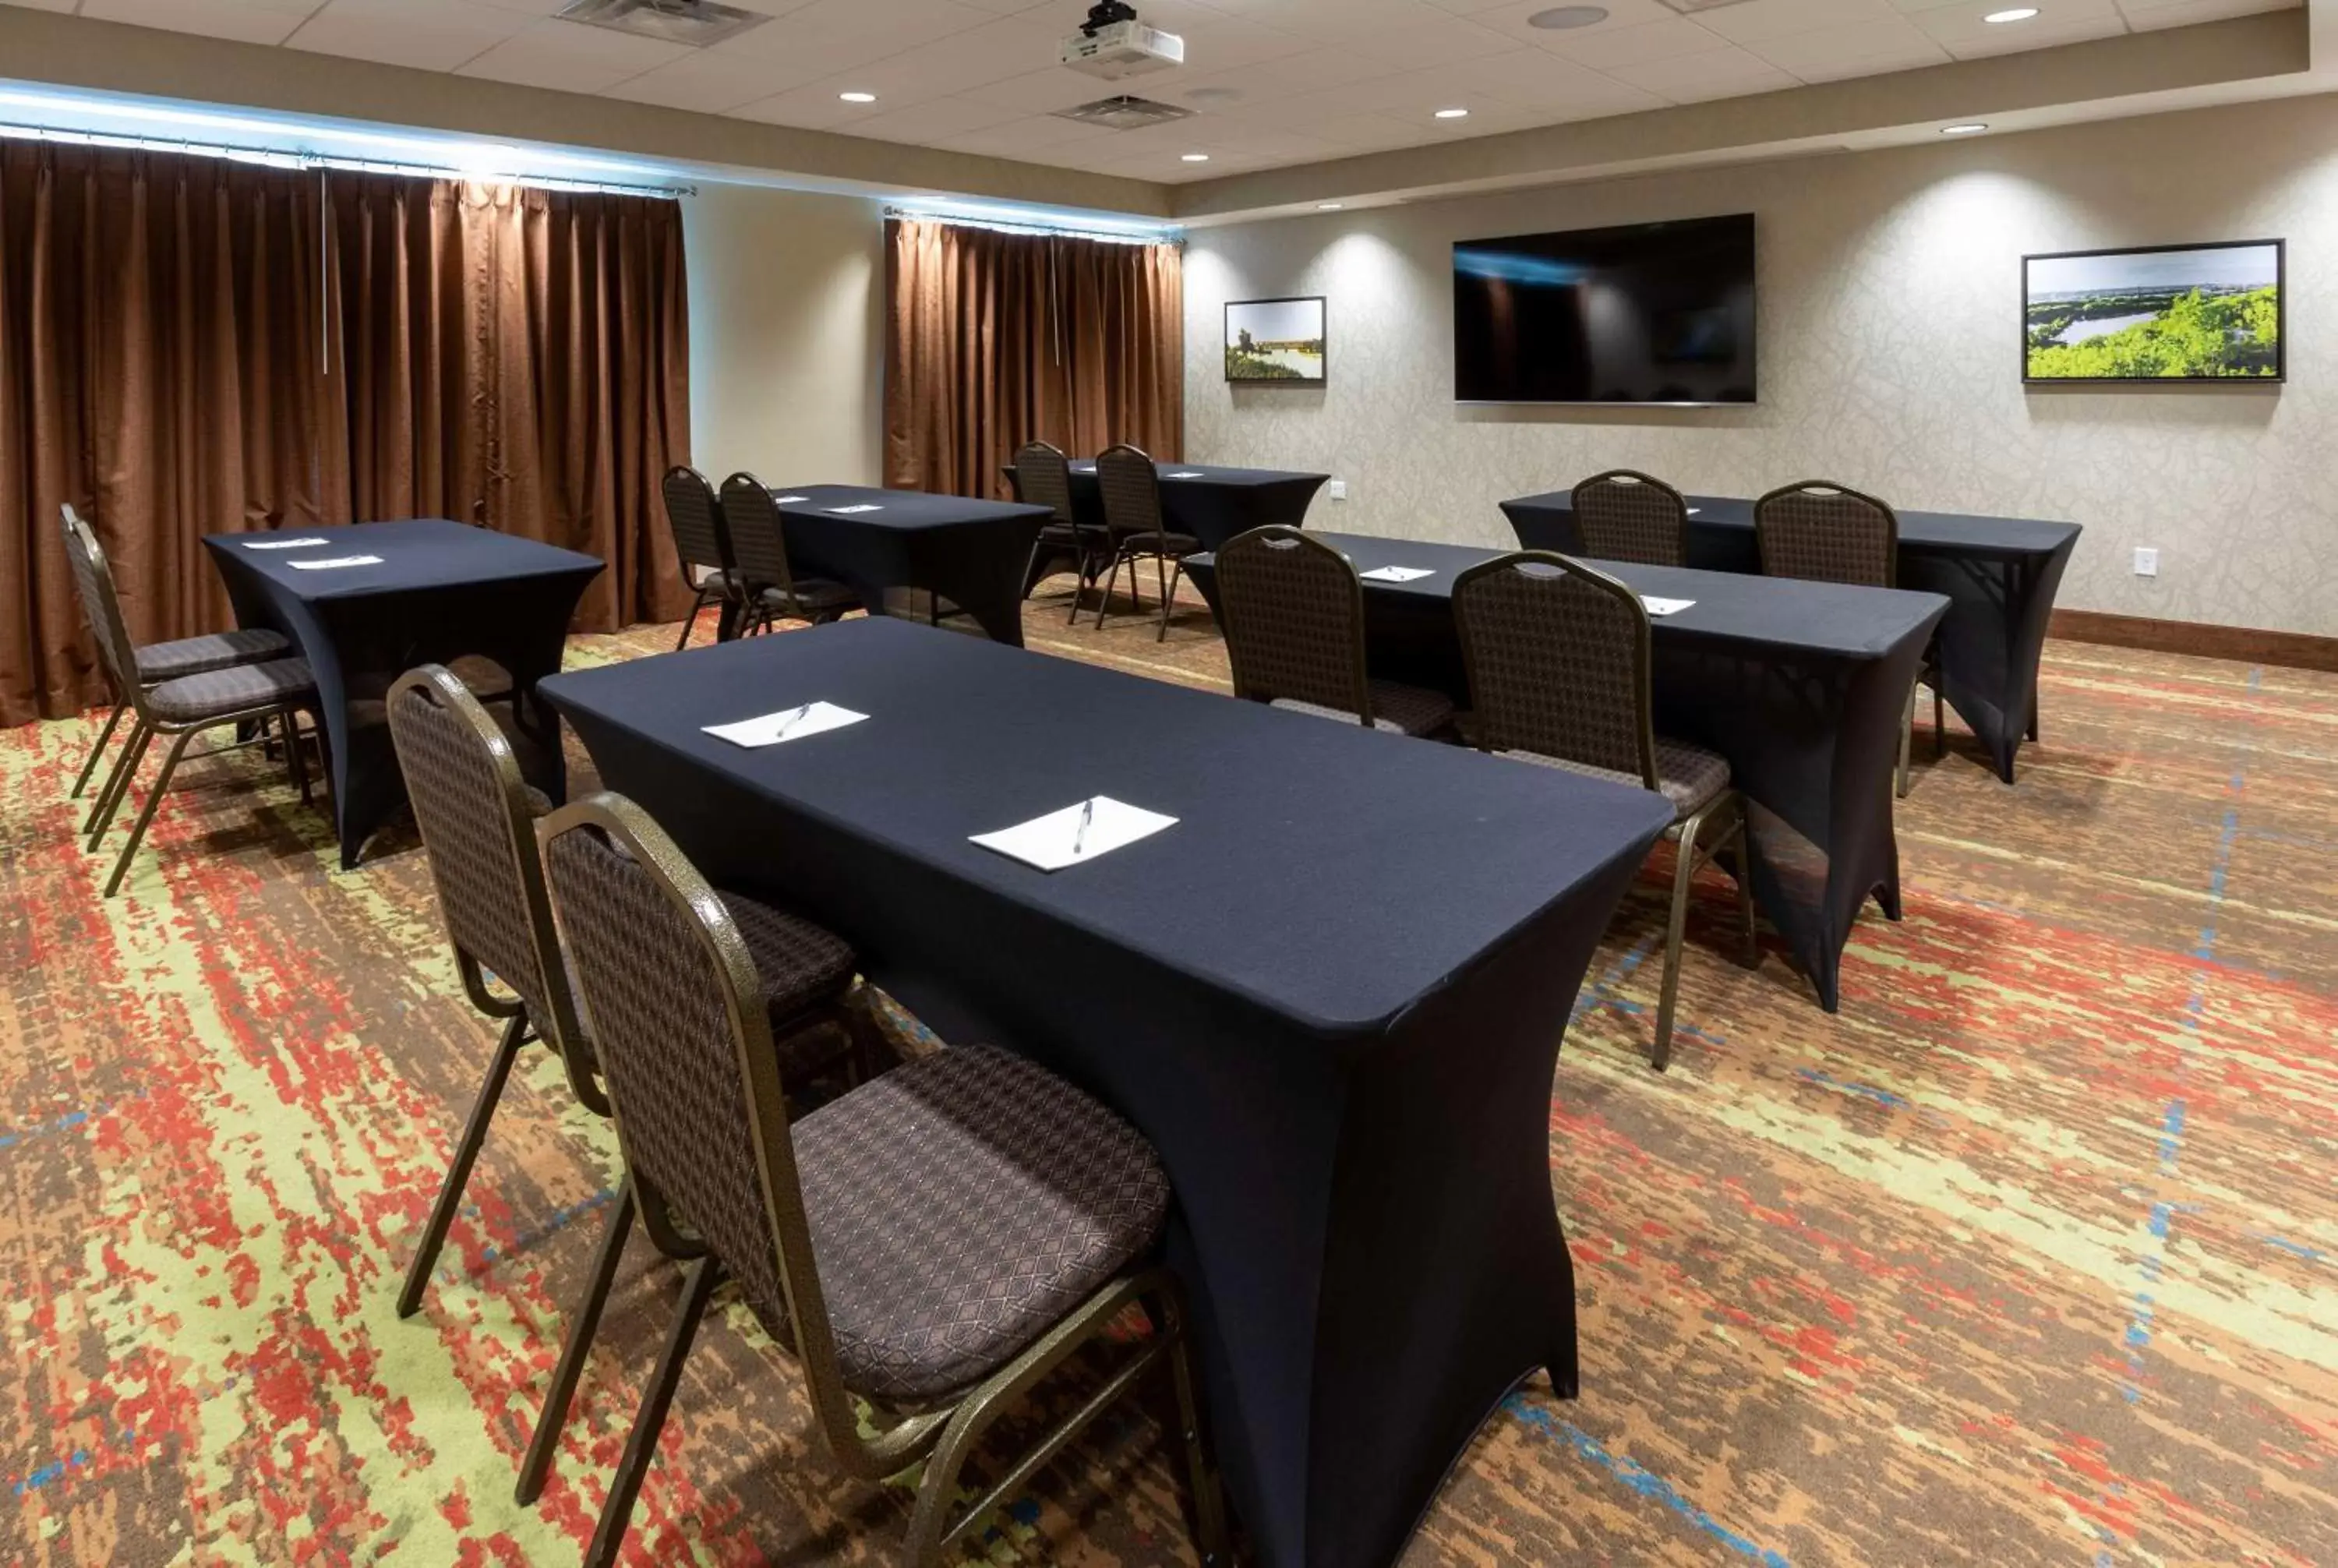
<point>2203,336</point>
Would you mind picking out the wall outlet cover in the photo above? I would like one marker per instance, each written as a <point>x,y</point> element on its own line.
<point>1339,489</point>
<point>2147,562</point>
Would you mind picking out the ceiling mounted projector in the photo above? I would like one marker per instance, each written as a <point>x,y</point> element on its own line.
<point>1113,43</point>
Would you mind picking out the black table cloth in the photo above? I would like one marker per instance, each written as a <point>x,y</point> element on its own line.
<point>971,553</point>
<point>1800,685</point>
<point>442,590</point>
<point>1999,576</point>
<point>1212,504</point>
<point>1331,996</point>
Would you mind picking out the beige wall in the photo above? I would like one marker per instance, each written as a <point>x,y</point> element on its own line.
<point>787,334</point>
<point>1889,326</point>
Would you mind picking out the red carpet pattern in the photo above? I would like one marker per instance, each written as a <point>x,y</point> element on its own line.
<point>2029,1256</point>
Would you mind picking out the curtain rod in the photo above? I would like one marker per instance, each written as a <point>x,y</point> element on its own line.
<point>1067,230</point>
<point>279,157</point>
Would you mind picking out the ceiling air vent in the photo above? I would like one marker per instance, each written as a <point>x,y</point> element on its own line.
<point>1125,114</point>
<point>697,22</point>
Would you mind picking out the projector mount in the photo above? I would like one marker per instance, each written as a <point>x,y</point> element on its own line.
<point>1106,13</point>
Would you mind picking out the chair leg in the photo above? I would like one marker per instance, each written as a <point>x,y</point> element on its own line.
<point>1907,739</point>
<point>1744,838</point>
<point>641,1444</point>
<point>297,757</point>
<point>109,798</point>
<point>458,1170</point>
<point>1661,1054</point>
<point>545,1440</point>
<point>1939,722</point>
<point>146,812</point>
<point>1209,1500</point>
<point>1112,577</point>
<point>104,738</point>
<point>690,622</point>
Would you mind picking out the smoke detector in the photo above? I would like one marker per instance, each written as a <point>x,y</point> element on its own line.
<point>1124,113</point>
<point>697,22</point>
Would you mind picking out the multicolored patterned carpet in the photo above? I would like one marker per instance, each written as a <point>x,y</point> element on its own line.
<point>2029,1255</point>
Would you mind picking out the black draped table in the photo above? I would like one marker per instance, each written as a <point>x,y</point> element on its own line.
<point>1331,996</point>
<point>1800,685</point>
<point>1999,576</point>
<point>971,553</point>
<point>441,591</point>
<point>1212,504</point>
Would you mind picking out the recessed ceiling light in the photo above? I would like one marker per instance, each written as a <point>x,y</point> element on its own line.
<point>1329,206</point>
<point>1973,128</point>
<point>1560,18</point>
<point>1453,114</point>
<point>2017,14</point>
<point>1197,157</point>
<point>858,97</point>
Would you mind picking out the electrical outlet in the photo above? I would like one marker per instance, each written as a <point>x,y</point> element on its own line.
<point>1339,489</point>
<point>2146,562</point>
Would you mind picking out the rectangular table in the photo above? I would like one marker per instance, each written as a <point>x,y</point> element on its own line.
<point>971,553</point>
<point>1999,576</point>
<point>443,589</point>
<point>1800,685</point>
<point>1331,996</point>
<point>1212,502</point>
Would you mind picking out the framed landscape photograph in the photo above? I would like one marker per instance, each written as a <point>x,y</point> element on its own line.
<point>2168,313</point>
<point>1278,342</point>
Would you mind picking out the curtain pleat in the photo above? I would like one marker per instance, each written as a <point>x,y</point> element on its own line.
<point>993,339</point>
<point>190,346</point>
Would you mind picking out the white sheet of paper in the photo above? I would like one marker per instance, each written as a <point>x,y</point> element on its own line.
<point>1057,840</point>
<point>1695,510</point>
<point>1189,474</point>
<point>852,511</point>
<point>1665,606</point>
<point>336,561</point>
<point>788,724</point>
<point>1397,573</point>
<point>788,500</point>
<point>283,544</point>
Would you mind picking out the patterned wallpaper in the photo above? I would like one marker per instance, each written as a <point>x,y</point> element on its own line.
<point>1890,323</point>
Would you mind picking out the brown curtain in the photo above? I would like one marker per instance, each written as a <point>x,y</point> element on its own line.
<point>189,345</point>
<point>993,339</point>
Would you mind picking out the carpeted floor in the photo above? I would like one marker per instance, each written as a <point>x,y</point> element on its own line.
<point>2029,1255</point>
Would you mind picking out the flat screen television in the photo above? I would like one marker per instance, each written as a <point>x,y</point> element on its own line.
<point>1650,313</point>
<point>2169,313</point>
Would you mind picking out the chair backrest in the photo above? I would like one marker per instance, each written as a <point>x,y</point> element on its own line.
<point>1627,515</point>
<point>1827,533</point>
<point>1131,486</point>
<point>696,521</point>
<point>1558,663</point>
<point>759,540</point>
<point>1294,612</point>
<point>686,1043</point>
<point>101,605</point>
<point>1043,478</point>
<point>479,833</point>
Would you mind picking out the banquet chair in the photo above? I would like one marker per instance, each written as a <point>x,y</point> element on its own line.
<point>1627,515</point>
<point>701,546</point>
<point>1132,515</point>
<point>1293,609</point>
<point>255,694</point>
<point>1827,533</point>
<point>478,819</point>
<point>935,1243</point>
<point>759,544</point>
<point>1043,478</point>
<point>1559,669</point>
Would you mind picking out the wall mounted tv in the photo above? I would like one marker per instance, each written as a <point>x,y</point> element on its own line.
<point>1652,313</point>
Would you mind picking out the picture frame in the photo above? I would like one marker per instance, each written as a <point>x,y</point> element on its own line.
<point>2199,315</point>
<point>1279,342</point>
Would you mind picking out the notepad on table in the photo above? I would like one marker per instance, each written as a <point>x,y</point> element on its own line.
<point>1188,473</point>
<point>1665,606</point>
<point>1097,826</point>
<point>853,511</point>
<point>1397,573</point>
<point>788,500</point>
<point>283,544</point>
<point>1695,510</point>
<point>336,561</point>
<point>788,724</point>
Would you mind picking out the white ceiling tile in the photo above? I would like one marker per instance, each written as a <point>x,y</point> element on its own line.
<point>1515,18</point>
<point>42,4</point>
<point>1962,29</point>
<point>1044,92</point>
<point>1857,49</point>
<point>709,82</point>
<point>245,21</point>
<point>1604,49</point>
<point>813,107</point>
<point>1759,21</point>
<point>2150,16</point>
<point>839,34</point>
<point>1700,78</point>
<point>935,122</point>
<point>995,51</point>
<point>426,34</point>
<point>572,57</point>
<point>1442,41</point>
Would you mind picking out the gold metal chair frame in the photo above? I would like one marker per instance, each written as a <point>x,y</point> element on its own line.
<point>941,1437</point>
<point>1725,814</point>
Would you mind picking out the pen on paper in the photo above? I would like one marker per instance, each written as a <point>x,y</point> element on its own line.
<point>1088,815</point>
<point>790,723</point>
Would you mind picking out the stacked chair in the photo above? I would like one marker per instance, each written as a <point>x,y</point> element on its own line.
<point>176,690</point>
<point>1131,486</point>
<point>1828,532</point>
<point>1292,610</point>
<point>759,545</point>
<point>1043,478</point>
<point>1559,666</point>
<point>702,548</point>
